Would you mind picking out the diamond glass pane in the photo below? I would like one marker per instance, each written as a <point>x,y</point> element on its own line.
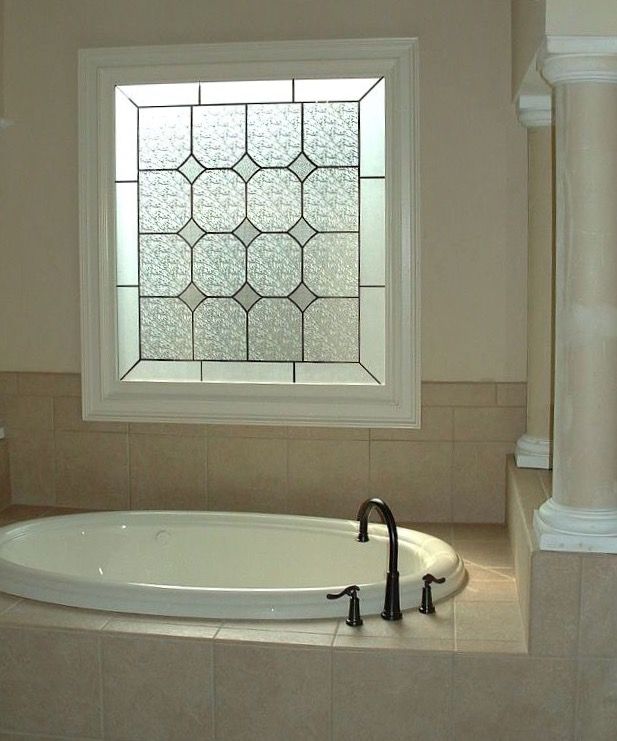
<point>275,330</point>
<point>220,330</point>
<point>331,199</point>
<point>219,264</point>
<point>164,137</point>
<point>274,264</point>
<point>218,134</point>
<point>331,264</point>
<point>331,330</point>
<point>274,134</point>
<point>331,133</point>
<point>166,329</point>
<point>274,201</point>
<point>164,201</point>
<point>164,265</point>
<point>218,200</point>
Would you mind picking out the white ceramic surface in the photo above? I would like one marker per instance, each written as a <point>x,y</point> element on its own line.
<point>214,564</point>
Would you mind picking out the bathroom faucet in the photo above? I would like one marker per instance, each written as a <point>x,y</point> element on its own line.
<point>391,607</point>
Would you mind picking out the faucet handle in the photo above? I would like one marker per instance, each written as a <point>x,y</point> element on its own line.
<point>429,579</point>
<point>353,618</point>
<point>427,607</point>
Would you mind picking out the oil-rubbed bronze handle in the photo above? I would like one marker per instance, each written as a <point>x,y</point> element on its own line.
<point>353,618</point>
<point>429,579</point>
<point>427,607</point>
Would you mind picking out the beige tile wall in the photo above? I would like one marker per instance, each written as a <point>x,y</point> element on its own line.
<point>453,469</point>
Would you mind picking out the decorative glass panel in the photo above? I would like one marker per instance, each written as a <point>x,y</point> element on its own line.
<point>253,227</point>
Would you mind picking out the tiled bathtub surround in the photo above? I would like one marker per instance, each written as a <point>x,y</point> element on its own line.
<point>450,470</point>
<point>5,481</point>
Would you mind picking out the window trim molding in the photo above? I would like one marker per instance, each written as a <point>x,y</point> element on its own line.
<point>393,404</point>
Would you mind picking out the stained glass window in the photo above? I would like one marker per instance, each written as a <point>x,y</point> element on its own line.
<point>250,221</point>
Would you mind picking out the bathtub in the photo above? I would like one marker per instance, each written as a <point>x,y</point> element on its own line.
<point>215,564</point>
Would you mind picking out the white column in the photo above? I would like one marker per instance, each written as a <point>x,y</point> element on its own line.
<point>581,515</point>
<point>533,449</point>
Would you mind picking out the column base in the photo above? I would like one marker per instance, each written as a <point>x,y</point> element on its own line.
<point>533,452</point>
<point>561,528</point>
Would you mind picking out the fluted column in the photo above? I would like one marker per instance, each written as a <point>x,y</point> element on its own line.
<point>581,515</point>
<point>533,449</point>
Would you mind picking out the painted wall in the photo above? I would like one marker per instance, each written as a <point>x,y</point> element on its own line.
<point>528,26</point>
<point>473,164</point>
<point>585,17</point>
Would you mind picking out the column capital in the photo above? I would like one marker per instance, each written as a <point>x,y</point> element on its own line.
<point>534,110</point>
<point>563,59</point>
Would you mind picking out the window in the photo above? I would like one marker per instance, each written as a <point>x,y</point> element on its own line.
<point>248,227</point>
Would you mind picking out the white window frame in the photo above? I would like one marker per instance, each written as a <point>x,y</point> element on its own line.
<point>396,402</point>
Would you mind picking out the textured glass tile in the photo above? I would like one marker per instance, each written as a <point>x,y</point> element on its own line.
<point>373,127</point>
<point>372,231</point>
<point>247,296</point>
<point>174,93</point>
<point>331,133</point>
<point>331,330</point>
<point>192,296</point>
<point>126,138</point>
<point>219,264</point>
<point>191,169</point>
<point>246,167</point>
<point>246,91</point>
<point>128,328</point>
<point>164,265</point>
<point>373,331</point>
<point>164,201</point>
<point>220,330</point>
<point>126,233</point>
<point>275,330</point>
<point>302,231</point>
<point>274,264</point>
<point>351,88</point>
<point>218,135</point>
<point>246,232</point>
<point>302,297</point>
<point>166,329</point>
<point>331,199</point>
<point>302,166</point>
<point>273,198</point>
<point>191,232</point>
<point>331,264</point>
<point>219,200</point>
<point>274,133</point>
<point>164,137</point>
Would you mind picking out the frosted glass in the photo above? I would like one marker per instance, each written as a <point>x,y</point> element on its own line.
<point>218,135</point>
<point>164,264</point>
<point>164,137</point>
<point>164,201</point>
<point>331,133</point>
<point>166,370</point>
<point>126,233</point>
<point>128,328</point>
<point>331,199</point>
<point>274,264</point>
<point>331,330</point>
<point>372,232</point>
<point>219,200</point>
<point>246,91</point>
<point>373,331</point>
<point>275,330</point>
<point>166,329</point>
<point>219,264</point>
<point>247,372</point>
<point>220,330</point>
<point>373,127</point>
<point>273,198</point>
<point>183,93</point>
<point>331,264</point>
<point>327,373</point>
<point>126,138</point>
<point>336,89</point>
<point>274,134</point>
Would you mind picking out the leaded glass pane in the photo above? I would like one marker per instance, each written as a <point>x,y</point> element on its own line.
<point>331,199</point>
<point>164,137</point>
<point>126,137</point>
<point>331,330</point>
<point>218,200</point>
<point>373,127</point>
<point>164,265</point>
<point>219,264</point>
<point>166,331</point>
<point>274,200</point>
<point>219,134</point>
<point>331,133</point>
<point>220,330</point>
<point>127,270</point>
<point>331,264</point>
<point>275,330</point>
<point>274,264</point>
<point>163,94</point>
<point>372,331</point>
<point>274,133</point>
<point>240,91</point>
<point>334,89</point>
<point>164,201</point>
<point>128,328</point>
<point>372,231</point>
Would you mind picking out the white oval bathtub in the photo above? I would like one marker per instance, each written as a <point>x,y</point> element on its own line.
<point>214,564</point>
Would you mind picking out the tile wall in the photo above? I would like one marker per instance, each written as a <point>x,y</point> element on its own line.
<point>5,481</point>
<point>452,470</point>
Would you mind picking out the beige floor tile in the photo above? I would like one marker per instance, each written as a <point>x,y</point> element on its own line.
<point>492,647</point>
<point>157,688</point>
<point>272,692</point>
<point>489,573</point>
<point>597,700</point>
<point>439,626</point>
<point>274,636</point>
<point>391,695</point>
<point>326,627</point>
<point>441,530</point>
<point>488,621</point>
<point>42,614</point>
<point>152,625</point>
<point>488,591</point>
<point>598,599</point>
<point>49,682</point>
<point>393,643</point>
<point>463,532</point>
<point>6,601</point>
<point>486,553</point>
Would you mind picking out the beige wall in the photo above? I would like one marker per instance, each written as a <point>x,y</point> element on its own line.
<point>472,162</point>
<point>585,17</point>
<point>528,23</point>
